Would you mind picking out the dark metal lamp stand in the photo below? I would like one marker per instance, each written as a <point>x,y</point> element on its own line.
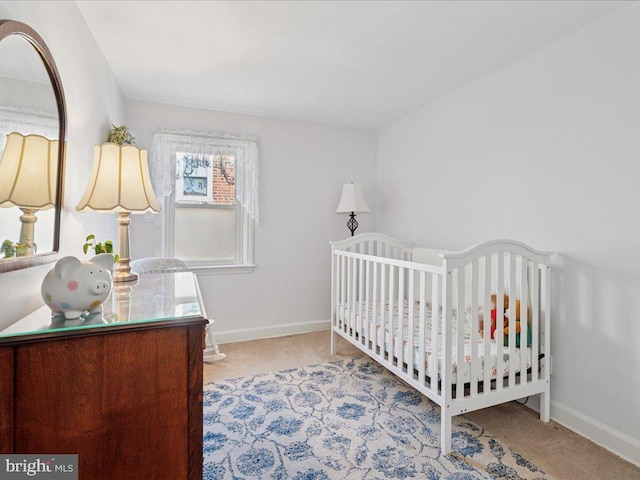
<point>352,224</point>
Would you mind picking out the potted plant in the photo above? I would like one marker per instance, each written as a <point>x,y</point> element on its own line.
<point>10,249</point>
<point>99,247</point>
<point>121,135</point>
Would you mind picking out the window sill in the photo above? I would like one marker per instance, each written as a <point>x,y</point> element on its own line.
<point>221,269</point>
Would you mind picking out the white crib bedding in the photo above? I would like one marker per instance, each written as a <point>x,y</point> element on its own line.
<point>376,328</point>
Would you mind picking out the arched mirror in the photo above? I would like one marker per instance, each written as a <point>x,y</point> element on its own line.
<point>32,149</point>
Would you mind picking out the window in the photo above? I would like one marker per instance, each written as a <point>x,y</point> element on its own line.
<point>210,200</point>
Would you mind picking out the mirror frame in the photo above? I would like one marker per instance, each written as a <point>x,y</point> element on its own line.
<point>13,27</point>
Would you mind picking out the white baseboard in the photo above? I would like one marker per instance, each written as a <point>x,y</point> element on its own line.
<point>613,440</point>
<point>256,333</point>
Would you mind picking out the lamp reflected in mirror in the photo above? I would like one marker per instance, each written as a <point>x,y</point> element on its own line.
<point>28,180</point>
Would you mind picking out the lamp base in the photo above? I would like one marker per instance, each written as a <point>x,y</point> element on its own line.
<point>352,224</point>
<point>122,271</point>
<point>27,222</point>
<point>125,277</point>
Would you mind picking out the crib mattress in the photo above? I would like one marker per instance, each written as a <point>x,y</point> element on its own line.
<point>383,337</point>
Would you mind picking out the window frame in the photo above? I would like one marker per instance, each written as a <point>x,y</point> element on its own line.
<point>243,261</point>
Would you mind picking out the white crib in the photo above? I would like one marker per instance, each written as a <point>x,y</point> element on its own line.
<point>401,305</point>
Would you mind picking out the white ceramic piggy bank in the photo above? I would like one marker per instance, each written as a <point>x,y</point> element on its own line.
<point>72,287</point>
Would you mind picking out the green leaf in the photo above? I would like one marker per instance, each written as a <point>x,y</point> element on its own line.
<point>98,247</point>
<point>116,258</point>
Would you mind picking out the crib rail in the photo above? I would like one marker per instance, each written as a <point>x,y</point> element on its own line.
<point>504,288</point>
<point>376,244</point>
<point>401,294</point>
<point>432,324</point>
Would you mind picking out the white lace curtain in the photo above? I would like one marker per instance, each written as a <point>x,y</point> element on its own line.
<point>26,121</point>
<point>162,166</point>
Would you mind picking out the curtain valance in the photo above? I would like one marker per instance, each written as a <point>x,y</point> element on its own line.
<point>26,121</point>
<point>162,165</point>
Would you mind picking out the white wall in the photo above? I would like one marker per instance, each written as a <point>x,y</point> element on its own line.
<point>302,169</point>
<point>546,151</point>
<point>94,101</point>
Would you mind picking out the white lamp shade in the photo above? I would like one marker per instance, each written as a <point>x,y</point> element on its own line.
<point>29,172</point>
<point>119,182</point>
<point>352,199</point>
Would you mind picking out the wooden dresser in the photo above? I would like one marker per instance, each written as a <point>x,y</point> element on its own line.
<point>122,389</point>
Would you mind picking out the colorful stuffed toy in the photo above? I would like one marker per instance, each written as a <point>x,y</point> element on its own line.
<point>505,320</point>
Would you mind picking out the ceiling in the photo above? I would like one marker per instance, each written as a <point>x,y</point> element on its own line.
<point>351,63</point>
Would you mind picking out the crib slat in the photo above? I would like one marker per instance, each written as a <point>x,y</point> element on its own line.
<point>383,309</point>
<point>543,333</point>
<point>399,336</point>
<point>475,361</point>
<point>407,255</point>
<point>545,291</point>
<point>335,292</point>
<point>524,319</point>
<point>343,292</point>
<point>535,320</point>
<point>334,298</point>
<point>411,325</point>
<point>374,308</point>
<point>460,357</point>
<point>499,333</point>
<point>354,297</point>
<point>512,319</point>
<point>347,312</point>
<point>389,329</point>
<point>347,292</point>
<point>351,307</point>
<point>436,321</point>
<point>447,368</point>
<point>421,329</point>
<point>486,312</point>
<point>362,325</point>
<point>367,303</point>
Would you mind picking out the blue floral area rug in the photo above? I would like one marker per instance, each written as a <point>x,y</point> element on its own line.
<point>349,419</point>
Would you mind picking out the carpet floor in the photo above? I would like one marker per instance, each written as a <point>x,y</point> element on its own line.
<point>348,419</point>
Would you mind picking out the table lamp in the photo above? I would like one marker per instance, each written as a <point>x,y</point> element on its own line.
<point>120,183</point>
<point>352,201</point>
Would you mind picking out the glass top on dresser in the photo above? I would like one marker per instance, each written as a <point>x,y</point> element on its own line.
<point>152,298</point>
